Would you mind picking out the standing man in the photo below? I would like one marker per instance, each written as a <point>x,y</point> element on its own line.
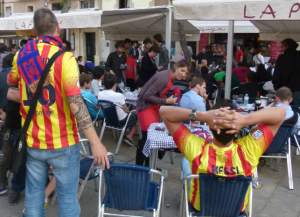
<point>209,55</point>
<point>239,54</point>
<point>248,57</point>
<point>113,64</point>
<point>139,51</point>
<point>133,51</point>
<point>147,45</point>
<point>127,45</point>
<point>201,56</point>
<point>164,53</point>
<point>52,137</point>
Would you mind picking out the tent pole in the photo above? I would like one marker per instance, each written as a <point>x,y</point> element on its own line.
<point>169,30</point>
<point>229,59</point>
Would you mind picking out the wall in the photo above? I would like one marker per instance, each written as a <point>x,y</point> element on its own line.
<point>110,4</point>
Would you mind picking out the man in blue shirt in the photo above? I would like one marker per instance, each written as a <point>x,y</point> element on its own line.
<point>85,84</point>
<point>196,97</point>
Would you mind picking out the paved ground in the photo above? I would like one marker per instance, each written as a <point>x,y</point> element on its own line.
<point>274,199</point>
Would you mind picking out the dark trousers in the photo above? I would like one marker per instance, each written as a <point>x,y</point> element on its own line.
<point>18,181</point>
<point>131,83</point>
<point>141,159</point>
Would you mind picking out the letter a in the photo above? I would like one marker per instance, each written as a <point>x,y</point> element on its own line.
<point>269,12</point>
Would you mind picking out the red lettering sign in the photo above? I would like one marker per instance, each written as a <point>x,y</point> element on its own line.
<point>275,49</point>
<point>204,40</point>
<point>292,9</point>
<point>245,16</point>
<point>30,24</point>
<point>269,12</point>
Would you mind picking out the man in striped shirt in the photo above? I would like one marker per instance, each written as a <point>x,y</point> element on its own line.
<point>52,136</point>
<point>224,156</point>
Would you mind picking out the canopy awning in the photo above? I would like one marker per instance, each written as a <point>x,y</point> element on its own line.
<point>140,20</point>
<point>74,19</point>
<point>222,26</point>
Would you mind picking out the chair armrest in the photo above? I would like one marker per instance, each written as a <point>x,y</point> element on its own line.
<point>164,173</point>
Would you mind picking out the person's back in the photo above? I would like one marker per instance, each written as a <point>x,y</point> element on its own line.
<point>241,72</point>
<point>52,136</point>
<point>219,76</point>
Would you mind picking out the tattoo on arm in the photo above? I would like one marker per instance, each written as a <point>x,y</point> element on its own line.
<point>80,111</point>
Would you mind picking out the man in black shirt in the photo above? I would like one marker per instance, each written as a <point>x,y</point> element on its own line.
<point>209,55</point>
<point>113,64</point>
<point>250,87</point>
<point>202,55</point>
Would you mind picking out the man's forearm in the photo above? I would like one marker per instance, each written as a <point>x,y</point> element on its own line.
<point>83,118</point>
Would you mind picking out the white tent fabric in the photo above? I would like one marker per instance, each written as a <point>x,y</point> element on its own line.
<point>222,26</point>
<point>74,19</point>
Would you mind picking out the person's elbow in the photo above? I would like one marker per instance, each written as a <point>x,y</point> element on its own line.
<point>13,95</point>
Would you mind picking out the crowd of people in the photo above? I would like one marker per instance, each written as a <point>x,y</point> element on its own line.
<point>52,137</point>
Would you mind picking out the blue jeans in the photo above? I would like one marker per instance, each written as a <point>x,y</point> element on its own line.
<point>18,180</point>
<point>185,166</point>
<point>66,165</point>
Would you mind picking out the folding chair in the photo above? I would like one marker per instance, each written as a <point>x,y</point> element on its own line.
<point>219,196</point>
<point>111,119</point>
<point>278,146</point>
<point>129,189</point>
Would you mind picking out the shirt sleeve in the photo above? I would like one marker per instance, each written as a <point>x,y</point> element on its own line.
<point>13,75</point>
<point>258,141</point>
<point>189,144</point>
<point>121,99</point>
<point>70,78</point>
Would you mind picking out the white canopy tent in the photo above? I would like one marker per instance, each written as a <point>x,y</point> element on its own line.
<point>275,16</point>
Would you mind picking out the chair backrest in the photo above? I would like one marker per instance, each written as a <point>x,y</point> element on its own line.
<point>280,139</point>
<point>110,112</point>
<point>222,196</point>
<point>127,186</point>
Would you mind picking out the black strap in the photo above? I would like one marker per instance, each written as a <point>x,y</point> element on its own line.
<point>39,90</point>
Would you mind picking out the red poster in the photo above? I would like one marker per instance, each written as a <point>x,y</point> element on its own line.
<point>204,40</point>
<point>275,50</point>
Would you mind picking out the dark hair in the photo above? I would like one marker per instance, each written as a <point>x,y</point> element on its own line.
<point>182,63</point>
<point>3,48</point>
<point>197,80</point>
<point>23,42</point>
<point>44,21</point>
<point>223,137</point>
<point>158,37</point>
<point>290,43</point>
<point>240,64</point>
<point>68,45</point>
<point>79,57</point>
<point>97,72</point>
<point>8,60</point>
<point>252,76</point>
<point>84,78</point>
<point>258,50</point>
<point>155,49</point>
<point>127,40</point>
<point>222,66</point>
<point>262,74</point>
<point>119,44</point>
<point>139,44</point>
<point>252,63</point>
<point>284,93</point>
<point>192,76</point>
<point>204,70</point>
<point>109,81</point>
<point>81,69</point>
<point>89,59</point>
<point>13,46</point>
<point>207,47</point>
<point>239,45</point>
<point>250,48</point>
<point>147,41</point>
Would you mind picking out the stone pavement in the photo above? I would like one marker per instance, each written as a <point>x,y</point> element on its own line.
<point>273,199</point>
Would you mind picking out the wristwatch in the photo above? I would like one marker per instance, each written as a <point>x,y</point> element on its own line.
<point>193,115</point>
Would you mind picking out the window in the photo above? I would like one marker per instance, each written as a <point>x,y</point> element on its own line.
<point>124,3</point>
<point>57,7</point>
<point>7,11</point>
<point>87,4</point>
<point>29,8</point>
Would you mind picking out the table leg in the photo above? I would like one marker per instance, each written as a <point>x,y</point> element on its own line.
<point>153,160</point>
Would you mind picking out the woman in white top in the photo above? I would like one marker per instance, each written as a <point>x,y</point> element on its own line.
<point>258,58</point>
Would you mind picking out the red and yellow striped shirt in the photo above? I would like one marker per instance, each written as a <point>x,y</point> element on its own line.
<point>53,125</point>
<point>240,158</point>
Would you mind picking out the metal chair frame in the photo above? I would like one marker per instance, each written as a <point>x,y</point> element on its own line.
<point>96,106</point>
<point>116,128</point>
<point>156,213</point>
<point>289,163</point>
<point>184,202</point>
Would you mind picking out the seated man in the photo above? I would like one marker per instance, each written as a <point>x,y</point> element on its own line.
<point>85,84</point>
<point>110,95</point>
<point>241,72</point>
<point>284,99</point>
<point>219,76</point>
<point>234,83</point>
<point>196,97</point>
<point>98,74</point>
<point>250,86</point>
<point>224,157</point>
